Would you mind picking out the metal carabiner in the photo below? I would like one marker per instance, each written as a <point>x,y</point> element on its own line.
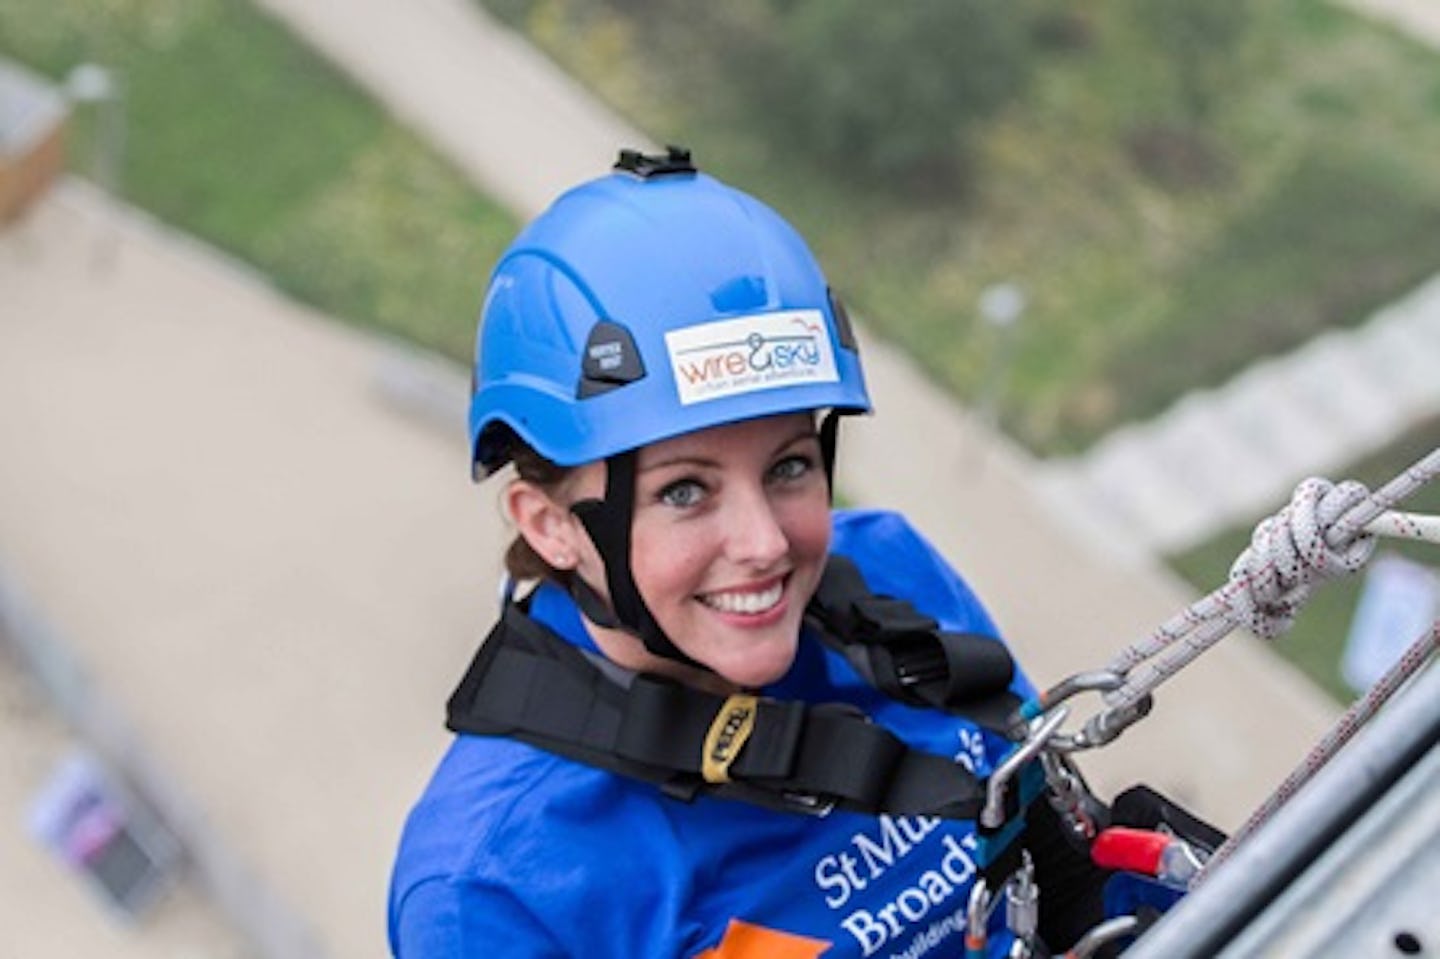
<point>1082,813</point>
<point>1099,680</point>
<point>1104,727</point>
<point>1102,935</point>
<point>977,920</point>
<point>992,815</point>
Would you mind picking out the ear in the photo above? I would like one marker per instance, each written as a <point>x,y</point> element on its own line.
<point>546,524</point>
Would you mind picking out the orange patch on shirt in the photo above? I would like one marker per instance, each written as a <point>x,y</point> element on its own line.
<point>746,941</point>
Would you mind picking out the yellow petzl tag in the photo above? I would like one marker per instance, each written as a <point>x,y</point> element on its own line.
<point>729,731</point>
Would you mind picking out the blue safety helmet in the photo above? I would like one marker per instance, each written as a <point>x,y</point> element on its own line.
<point>646,304</point>
<point>649,303</point>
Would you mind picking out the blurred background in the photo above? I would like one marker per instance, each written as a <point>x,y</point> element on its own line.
<point>1126,274</point>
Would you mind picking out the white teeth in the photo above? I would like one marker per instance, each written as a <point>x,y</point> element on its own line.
<point>746,603</point>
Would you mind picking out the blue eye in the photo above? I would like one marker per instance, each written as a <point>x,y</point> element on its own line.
<point>682,493</point>
<point>792,468</point>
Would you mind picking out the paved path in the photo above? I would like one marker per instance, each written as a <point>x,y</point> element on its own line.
<point>269,572</point>
<point>46,912</point>
<point>1419,18</point>
<point>1222,457</point>
<point>224,508</point>
<point>497,107</point>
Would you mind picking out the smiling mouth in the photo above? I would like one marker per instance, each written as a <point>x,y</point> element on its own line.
<point>751,603</point>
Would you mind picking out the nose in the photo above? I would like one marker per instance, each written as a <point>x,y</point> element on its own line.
<point>755,536</point>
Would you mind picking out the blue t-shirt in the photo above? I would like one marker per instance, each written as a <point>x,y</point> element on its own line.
<point>516,852</point>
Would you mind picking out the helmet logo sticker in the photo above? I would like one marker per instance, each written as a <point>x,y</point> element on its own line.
<point>610,359</point>
<point>748,353</point>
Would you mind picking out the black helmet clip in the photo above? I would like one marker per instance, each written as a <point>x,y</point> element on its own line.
<point>646,165</point>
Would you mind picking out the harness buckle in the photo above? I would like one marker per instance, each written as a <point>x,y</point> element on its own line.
<point>810,805</point>
<point>729,732</point>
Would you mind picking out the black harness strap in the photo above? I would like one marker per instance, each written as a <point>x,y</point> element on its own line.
<point>904,653</point>
<point>528,684</point>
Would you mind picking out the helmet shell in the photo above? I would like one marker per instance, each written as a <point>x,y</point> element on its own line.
<point>637,308</point>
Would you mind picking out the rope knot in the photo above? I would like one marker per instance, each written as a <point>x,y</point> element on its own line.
<point>1290,552</point>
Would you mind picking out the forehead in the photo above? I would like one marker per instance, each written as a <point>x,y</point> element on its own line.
<point>758,436</point>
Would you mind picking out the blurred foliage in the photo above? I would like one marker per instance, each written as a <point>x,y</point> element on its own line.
<point>1316,644</point>
<point>874,90</point>
<point>1180,191</point>
<point>1200,43</point>
<point>241,135</point>
<point>1255,289</point>
<point>862,90</point>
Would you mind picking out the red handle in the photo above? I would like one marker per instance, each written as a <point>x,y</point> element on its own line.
<point>1131,850</point>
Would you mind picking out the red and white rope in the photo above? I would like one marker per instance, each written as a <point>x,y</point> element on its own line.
<point>1326,530</point>
<point>1345,727</point>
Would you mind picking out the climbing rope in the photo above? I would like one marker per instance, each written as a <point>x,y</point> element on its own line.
<point>1326,530</point>
<point>1359,713</point>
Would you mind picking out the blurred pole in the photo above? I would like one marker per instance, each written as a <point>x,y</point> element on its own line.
<point>91,85</point>
<point>1001,306</point>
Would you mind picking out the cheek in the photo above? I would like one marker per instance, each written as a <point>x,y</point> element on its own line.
<point>668,561</point>
<point>808,531</point>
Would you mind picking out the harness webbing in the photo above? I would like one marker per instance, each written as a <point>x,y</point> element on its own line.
<point>905,655</point>
<point>529,684</point>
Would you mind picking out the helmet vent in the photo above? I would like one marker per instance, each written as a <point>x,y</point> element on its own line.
<point>610,360</point>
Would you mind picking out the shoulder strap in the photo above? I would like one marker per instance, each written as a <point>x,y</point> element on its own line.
<point>906,655</point>
<point>528,684</point>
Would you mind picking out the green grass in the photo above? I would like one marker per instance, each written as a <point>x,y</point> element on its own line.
<point>1317,641</point>
<point>239,134</point>
<point>1323,205</point>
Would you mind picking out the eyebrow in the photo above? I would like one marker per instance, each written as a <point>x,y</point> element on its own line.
<point>706,462</point>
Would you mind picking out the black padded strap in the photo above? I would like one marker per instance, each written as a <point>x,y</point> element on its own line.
<point>906,655</point>
<point>527,684</point>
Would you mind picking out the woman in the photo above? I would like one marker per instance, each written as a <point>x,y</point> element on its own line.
<point>668,746</point>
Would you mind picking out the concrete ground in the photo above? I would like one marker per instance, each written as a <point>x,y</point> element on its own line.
<point>45,910</point>
<point>268,571</point>
<point>1419,18</point>
<point>1221,457</point>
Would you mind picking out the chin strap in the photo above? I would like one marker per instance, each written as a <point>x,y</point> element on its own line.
<point>608,522</point>
<point>829,432</point>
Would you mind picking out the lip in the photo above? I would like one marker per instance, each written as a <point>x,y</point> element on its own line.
<point>753,620</point>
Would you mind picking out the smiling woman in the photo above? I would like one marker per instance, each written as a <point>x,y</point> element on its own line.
<point>716,717</point>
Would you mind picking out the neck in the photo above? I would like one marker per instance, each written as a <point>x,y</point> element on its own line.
<point>626,650</point>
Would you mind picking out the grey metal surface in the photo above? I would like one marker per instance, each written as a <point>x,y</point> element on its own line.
<point>1372,793</point>
<point>1373,892</point>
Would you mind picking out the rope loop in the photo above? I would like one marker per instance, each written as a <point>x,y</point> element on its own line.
<point>1293,550</point>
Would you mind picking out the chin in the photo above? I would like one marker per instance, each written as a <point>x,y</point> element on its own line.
<point>759,667</point>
